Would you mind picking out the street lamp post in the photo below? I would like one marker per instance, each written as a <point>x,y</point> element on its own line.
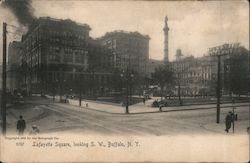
<point>80,97</point>
<point>64,90</point>
<point>179,89</point>
<point>233,115</point>
<point>54,91</point>
<point>80,93</point>
<point>60,88</point>
<point>127,111</point>
<point>130,87</point>
<point>218,90</point>
<point>127,76</point>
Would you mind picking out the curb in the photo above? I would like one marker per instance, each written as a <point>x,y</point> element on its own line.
<point>157,110</point>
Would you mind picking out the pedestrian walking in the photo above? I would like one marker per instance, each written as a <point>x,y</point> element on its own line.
<point>228,121</point>
<point>143,100</point>
<point>21,125</point>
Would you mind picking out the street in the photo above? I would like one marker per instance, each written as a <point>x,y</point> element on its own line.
<point>62,118</point>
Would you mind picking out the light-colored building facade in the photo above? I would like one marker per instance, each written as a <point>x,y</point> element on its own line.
<point>198,76</point>
<point>195,75</point>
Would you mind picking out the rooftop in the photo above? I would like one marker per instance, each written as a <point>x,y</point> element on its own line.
<point>65,21</point>
<point>36,22</point>
<point>121,32</point>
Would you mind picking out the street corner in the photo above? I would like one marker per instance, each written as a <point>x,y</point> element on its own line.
<point>241,127</point>
<point>31,113</point>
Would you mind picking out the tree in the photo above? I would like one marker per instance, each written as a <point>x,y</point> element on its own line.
<point>117,81</point>
<point>236,73</point>
<point>163,77</point>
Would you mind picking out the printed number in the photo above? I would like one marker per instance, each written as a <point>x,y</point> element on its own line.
<point>19,143</point>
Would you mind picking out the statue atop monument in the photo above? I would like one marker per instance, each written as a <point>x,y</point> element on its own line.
<point>166,20</point>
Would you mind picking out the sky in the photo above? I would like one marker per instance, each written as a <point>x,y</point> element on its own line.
<point>194,25</point>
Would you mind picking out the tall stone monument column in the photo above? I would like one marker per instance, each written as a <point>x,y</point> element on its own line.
<point>166,29</point>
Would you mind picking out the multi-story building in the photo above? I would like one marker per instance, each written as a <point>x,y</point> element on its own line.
<point>130,50</point>
<point>100,66</point>
<point>14,52</point>
<point>152,65</point>
<point>14,60</point>
<point>54,51</point>
<point>234,67</point>
<point>248,71</point>
<point>1,73</point>
<point>100,58</point>
<point>195,75</point>
<point>199,75</point>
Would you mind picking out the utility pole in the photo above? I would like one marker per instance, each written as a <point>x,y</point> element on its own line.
<point>124,76</point>
<point>218,52</point>
<point>233,115</point>
<point>80,95</point>
<point>3,104</point>
<point>218,89</point>
<point>127,89</point>
<point>179,89</point>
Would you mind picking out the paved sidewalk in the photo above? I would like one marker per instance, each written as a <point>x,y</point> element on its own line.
<point>140,108</point>
<point>116,109</point>
<point>196,107</point>
<point>240,127</point>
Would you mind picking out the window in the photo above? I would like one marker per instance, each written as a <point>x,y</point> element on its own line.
<point>79,58</point>
<point>68,57</point>
<point>54,57</point>
<point>50,76</point>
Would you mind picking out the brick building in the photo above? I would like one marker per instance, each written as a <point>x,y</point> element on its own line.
<point>54,52</point>
<point>14,58</point>
<point>130,50</point>
<point>58,55</point>
<point>100,66</point>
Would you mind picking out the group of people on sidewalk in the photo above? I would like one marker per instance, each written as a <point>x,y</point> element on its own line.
<point>21,126</point>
